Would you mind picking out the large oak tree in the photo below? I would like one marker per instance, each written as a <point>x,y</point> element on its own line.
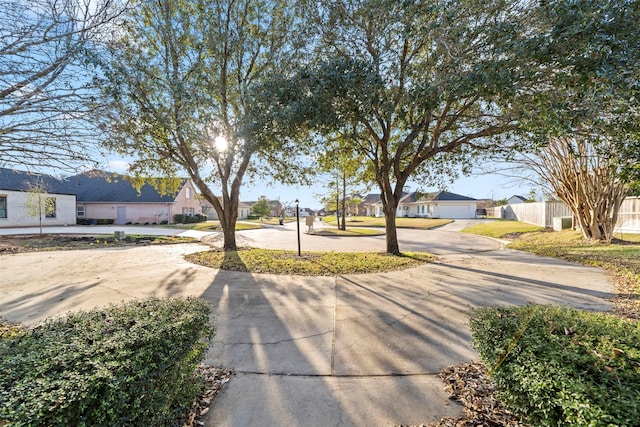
<point>410,85</point>
<point>179,79</point>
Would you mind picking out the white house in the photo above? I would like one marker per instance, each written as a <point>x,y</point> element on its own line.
<point>19,205</point>
<point>439,204</point>
<point>92,197</point>
<point>515,199</point>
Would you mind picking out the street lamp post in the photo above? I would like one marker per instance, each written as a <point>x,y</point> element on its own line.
<point>298,224</point>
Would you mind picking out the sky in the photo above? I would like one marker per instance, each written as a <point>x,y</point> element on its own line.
<point>485,186</point>
<point>480,187</point>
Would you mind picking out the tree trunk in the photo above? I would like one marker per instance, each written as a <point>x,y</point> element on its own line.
<point>229,233</point>
<point>344,201</point>
<point>40,212</point>
<point>389,209</point>
<point>338,204</point>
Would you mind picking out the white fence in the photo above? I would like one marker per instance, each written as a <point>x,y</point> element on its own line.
<point>629,215</point>
<point>542,213</point>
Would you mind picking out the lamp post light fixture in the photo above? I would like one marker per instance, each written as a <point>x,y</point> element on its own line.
<point>298,224</point>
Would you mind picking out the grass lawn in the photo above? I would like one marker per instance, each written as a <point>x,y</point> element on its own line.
<point>500,229</point>
<point>350,231</point>
<point>274,220</point>
<point>369,221</point>
<point>309,264</point>
<point>621,257</point>
<point>215,226</point>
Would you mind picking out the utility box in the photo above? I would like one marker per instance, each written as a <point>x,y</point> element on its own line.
<point>119,235</point>
<point>562,223</point>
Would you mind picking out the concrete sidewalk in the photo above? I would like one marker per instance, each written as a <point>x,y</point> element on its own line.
<point>349,350</point>
<point>366,349</point>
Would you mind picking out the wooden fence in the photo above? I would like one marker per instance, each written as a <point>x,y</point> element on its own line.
<point>542,213</point>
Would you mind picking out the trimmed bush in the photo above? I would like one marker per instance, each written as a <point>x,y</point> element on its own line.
<point>128,365</point>
<point>558,366</point>
<point>189,219</point>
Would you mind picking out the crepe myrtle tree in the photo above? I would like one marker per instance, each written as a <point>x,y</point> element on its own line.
<point>411,86</point>
<point>588,131</point>
<point>179,78</point>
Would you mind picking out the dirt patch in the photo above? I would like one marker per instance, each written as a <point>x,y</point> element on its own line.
<point>47,242</point>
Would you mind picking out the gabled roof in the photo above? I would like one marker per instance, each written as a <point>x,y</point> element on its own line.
<point>417,197</point>
<point>101,186</point>
<point>13,180</point>
<point>446,196</point>
<point>515,196</point>
<point>93,186</point>
<point>370,199</point>
<point>436,196</point>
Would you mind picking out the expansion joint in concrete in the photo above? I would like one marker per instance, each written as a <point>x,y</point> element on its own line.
<point>335,315</point>
<point>346,376</point>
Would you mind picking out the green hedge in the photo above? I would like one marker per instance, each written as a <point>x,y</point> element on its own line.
<point>128,365</point>
<point>188,219</point>
<point>558,366</point>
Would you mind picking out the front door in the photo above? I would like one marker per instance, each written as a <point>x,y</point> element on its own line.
<point>122,215</point>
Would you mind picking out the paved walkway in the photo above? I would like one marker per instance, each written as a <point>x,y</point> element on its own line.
<point>314,351</point>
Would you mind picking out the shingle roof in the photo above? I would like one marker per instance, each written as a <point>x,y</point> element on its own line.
<point>524,199</point>
<point>101,186</point>
<point>445,195</point>
<point>371,198</point>
<point>94,186</point>
<point>415,197</point>
<point>13,180</point>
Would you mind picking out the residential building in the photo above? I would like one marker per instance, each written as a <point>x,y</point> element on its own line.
<point>23,193</point>
<point>439,204</point>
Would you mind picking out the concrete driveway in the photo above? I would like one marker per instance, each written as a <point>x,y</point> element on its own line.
<point>316,351</point>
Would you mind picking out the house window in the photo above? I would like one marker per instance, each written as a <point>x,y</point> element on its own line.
<point>188,193</point>
<point>422,208</point>
<point>3,206</point>
<point>80,211</point>
<point>188,211</point>
<point>50,207</point>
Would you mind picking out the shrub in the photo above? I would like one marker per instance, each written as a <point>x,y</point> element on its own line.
<point>105,221</point>
<point>131,364</point>
<point>559,366</point>
<point>179,219</point>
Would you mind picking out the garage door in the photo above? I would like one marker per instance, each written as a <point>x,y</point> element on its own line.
<point>454,212</point>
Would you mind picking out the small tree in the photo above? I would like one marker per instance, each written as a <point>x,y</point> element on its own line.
<point>261,207</point>
<point>39,203</point>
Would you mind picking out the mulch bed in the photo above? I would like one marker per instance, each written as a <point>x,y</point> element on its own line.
<point>36,242</point>
<point>215,379</point>
<point>470,384</point>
